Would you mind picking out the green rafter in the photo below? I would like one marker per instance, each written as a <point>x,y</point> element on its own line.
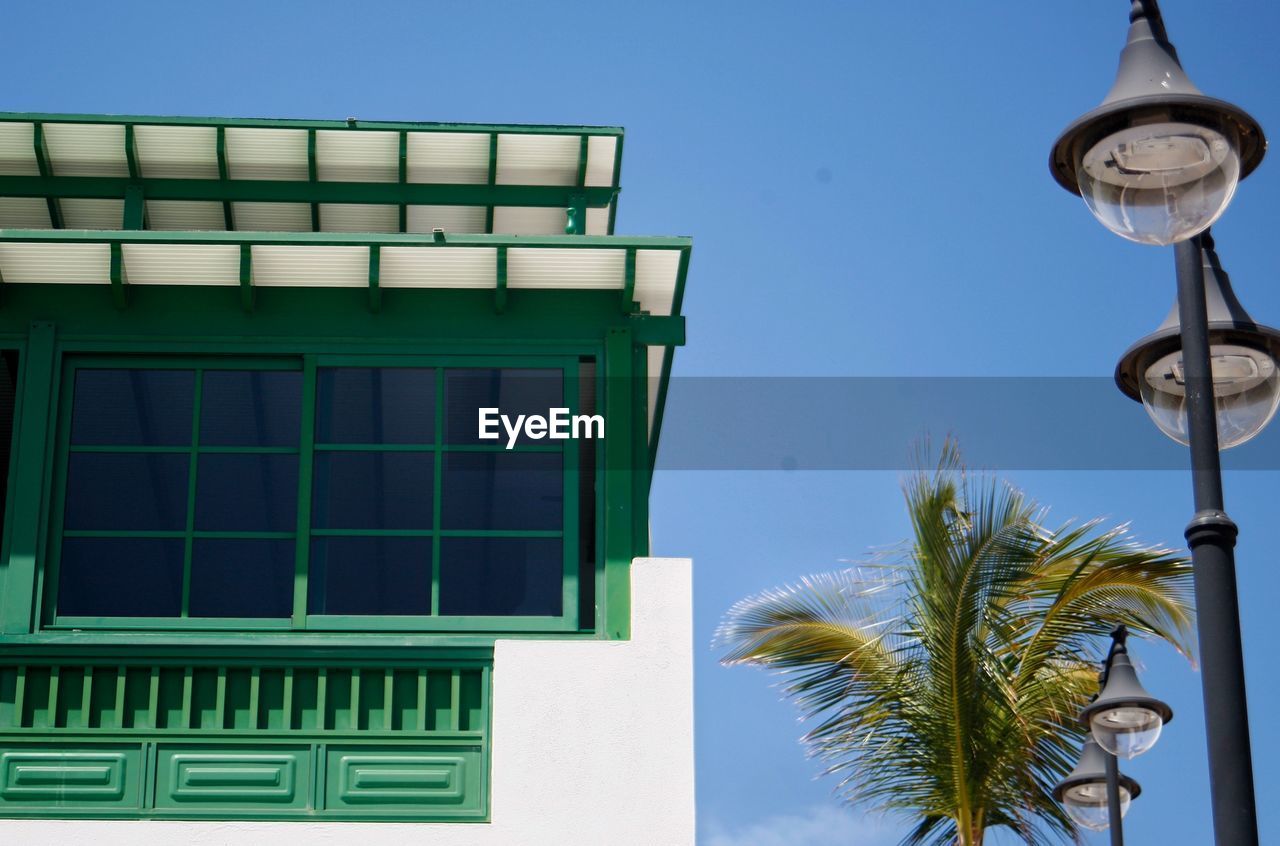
<point>46,172</point>
<point>224,174</point>
<point>312,178</point>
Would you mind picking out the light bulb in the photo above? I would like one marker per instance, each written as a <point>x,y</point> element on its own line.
<point>1158,183</point>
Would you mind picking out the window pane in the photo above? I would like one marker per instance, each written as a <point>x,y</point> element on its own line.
<point>241,578</point>
<point>373,490</point>
<point>247,493</point>
<point>377,575</point>
<point>132,407</point>
<point>120,577</point>
<point>364,405</point>
<point>502,490</point>
<point>510,390</point>
<point>501,576</point>
<point>126,491</point>
<point>251,408</point>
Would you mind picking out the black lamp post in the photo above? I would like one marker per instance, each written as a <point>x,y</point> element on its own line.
<point>1158,163</point>
<point>1123,721</point>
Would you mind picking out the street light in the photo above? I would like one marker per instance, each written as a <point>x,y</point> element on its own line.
<point>1246,377</point>
<point>1157,163</point>
<point>1123,720</point>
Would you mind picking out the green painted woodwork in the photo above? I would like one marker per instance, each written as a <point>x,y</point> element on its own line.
<point>290,123</point>
<point>311,191</point>
<point>281,736</point>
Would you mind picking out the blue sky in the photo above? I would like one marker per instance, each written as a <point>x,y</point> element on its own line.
<point>868,192</point>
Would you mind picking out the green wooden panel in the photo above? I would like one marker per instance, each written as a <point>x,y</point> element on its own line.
<point>233,777</point>
<point>34,777</point>
<point>391,780</point>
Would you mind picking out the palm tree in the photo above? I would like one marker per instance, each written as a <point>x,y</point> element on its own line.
<point>945,684</point>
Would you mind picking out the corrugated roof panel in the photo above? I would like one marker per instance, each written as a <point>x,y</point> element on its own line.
<point>655,355</point>
<point>40,263</point>
<point>458,158</point>
<point>86,149</point>
<point>550,267</point>
<point>271,217</point>
<point>181,264</point>
<point>185,214</point>
<point>357,156</point>
<point>177,152</point>
<point>18,149</point>
<point>538,159</point>
<point>438,267</point>
<point>463,219</point>
<point>601,150</point>
<point>266,153</point>
<point>313,267</point>
<point>92,214</point>
<point>598,221</point>
<point>24,213</point>
<point>529,220</point>
<point>656,272</point>
<point>358,217</point>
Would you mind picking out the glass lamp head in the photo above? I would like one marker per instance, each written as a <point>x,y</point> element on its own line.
<point>1083,793</point>
<point>1125,720</point>
<point>1158,161</point>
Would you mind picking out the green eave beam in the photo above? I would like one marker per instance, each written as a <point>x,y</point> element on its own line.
<point>285,191</point>
<point>246,277</point>
<point>224,176</point>
<point>46,172</point>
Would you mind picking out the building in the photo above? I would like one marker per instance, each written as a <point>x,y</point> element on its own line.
<point>260,574</point>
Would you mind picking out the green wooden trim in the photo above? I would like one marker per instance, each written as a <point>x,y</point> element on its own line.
<point>246,278</point>
<point>639,450</point>
<point>344,239</point>
<point>117,276</point>
<point>500,288</point>
<point>402,176</point>
<point>312,178</point>
<point>491,181</point>
<point>629,284</point>
<point>618,527</point>
<point>131,152</point>
<point>224,174</point>
<point>310,191</point>
<point>437,491</point>
<point>677,305</point>
<point>134,208</point>
<point>375,291</point>
<point>617,180</point>
<point>306,444</point>
<point>32,435</point>
<point>193,465</point>
<point>42,164</point>
<point>292,123</point>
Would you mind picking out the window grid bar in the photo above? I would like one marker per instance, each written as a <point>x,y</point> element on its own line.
<point>192,464</point>
<point>306,443</point>
<point>198,534</point>
<point>180,450</point>
<point>495,447</point>
<point>437,487</point>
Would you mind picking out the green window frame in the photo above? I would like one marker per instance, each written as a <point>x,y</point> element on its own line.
<point>571,616</point>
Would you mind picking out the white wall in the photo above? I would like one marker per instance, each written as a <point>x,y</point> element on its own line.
<point>592,746</point>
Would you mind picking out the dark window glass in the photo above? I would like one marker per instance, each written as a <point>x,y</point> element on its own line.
<point>133,407</point>
<point>373,490</point>
<point>370,575</point>
<point>501,576</point>
<point>513,391</point>
<point>247,493</point>
<point>127,491</point>
<point>241,578</point>
<point>251,408</point>
<point>385,405</point>
<point>587,501</point>
<point>120,577</point>
<point>502,490</point>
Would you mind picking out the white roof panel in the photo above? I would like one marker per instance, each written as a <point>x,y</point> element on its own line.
<point>177,152</point>
<point>656,279</point>
<point>181,264</point>
<point>55,263</point>
<point>529,220</point>
<point>271,217</point>
<point>185,215</point>
<point>453,267</point>
<point>462,219</point>
<point>310,267</point>
<point>458,158</point>
<point>266,153</point>
<point>18,149</point>
<point>357,156</point>
<point>538,159</point>
<point>24,213</point>
<point>86,149</point>
<point>92,214</point>
<point>548,267</point>
<point>358,217</point>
